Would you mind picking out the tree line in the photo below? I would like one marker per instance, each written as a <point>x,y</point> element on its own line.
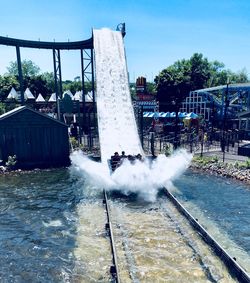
<point>35,80</point>
<point>171,85</point>
<point>175,82</point>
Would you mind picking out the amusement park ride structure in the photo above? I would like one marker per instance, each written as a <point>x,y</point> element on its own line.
<point>86,49</point>
<point>86,52</point>
<point>86,56</point>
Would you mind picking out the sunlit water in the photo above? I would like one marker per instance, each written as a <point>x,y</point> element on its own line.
<point>48,232</point>
<point>156,245</point>
<point>52,229</point>
<point>38,226</point>
<point>222,207</point>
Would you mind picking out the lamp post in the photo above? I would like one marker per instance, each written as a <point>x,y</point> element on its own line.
<point>175,105</point>
<point>226,104</point>
<point>141,124</point>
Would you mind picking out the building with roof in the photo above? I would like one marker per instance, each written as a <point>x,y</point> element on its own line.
<point>37,140</point>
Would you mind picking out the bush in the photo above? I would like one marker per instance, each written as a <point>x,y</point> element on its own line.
<point>11,163</point>
<point>243,165</point>
<point>74,143</point>
<point>205,160</point>
<point>168,150</point>
<point>2,108</point>
<point>248,163</point>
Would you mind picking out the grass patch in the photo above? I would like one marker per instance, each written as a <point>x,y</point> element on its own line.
<point>205,160</point>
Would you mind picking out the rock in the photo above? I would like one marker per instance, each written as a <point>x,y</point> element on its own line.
<point>223,169</point>
<point>3,169</point>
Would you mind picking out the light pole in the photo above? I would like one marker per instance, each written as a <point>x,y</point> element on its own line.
<point>226,104</point>
<point>176,123</point>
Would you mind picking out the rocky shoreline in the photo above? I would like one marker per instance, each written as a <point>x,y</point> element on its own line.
<point>237,171</point>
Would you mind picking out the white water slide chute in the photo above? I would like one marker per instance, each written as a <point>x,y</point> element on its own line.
<point>116,120</point>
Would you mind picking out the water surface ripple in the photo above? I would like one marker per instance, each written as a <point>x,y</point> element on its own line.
<point>52,229</point>
<point>37,224</point>
<point>222,207</point>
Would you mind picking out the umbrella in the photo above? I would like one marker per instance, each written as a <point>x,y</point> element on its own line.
<point>166,115</point>
<point>192,115</point>
<point>182,114</point>
<point>145,114</point>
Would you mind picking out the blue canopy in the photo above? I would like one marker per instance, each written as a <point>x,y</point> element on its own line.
<point>192,115</point>
<point>166,115</point>
<point>182,114</point>
<point>169,115</point>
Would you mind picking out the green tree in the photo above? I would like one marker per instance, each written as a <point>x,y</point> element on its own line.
<point>48,77</point>
<point>199,71</point>
<point>177,80</point>
<point>151,88</point>
<point>173,84</point>
<point>76,85</point>
<point>2,108</point>
<point>37,84</point>
<point>239,77</point>
<point>73,86</point>
<point>6,83</point>
<point>29,69</point>
<point>218,76</point>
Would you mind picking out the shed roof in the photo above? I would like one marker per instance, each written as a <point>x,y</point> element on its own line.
<point>245,114</point>
<point>25,108</point>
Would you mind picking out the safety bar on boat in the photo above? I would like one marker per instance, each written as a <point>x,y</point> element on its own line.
<point>114,268</point>
<point>234,268</point>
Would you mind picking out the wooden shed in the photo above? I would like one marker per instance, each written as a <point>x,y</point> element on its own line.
<point>36,139</point>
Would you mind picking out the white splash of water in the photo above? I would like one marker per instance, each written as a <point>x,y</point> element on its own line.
<point>118,131</point>
<point>143,178</point>
<point>52,223</point>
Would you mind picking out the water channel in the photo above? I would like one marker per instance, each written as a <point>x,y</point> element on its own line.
<point>52,230</point>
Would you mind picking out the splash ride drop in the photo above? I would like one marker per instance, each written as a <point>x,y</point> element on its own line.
<point>118,132</point>
<point>78,230</point>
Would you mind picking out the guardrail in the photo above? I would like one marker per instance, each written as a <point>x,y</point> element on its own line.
<point>114,271</point>
<point>234,268</point>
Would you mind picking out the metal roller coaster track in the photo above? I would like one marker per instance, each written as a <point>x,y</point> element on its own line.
<point>233,267</point>
<point>83,44</point>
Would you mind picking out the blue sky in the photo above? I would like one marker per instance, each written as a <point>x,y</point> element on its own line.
<point>158,32</point>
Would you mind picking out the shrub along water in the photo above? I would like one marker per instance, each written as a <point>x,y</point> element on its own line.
<point>237,170</point>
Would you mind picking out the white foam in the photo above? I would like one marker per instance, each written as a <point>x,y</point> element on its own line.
<point>118,130</point>
<point>144,178</point>
<point>53,223</point>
